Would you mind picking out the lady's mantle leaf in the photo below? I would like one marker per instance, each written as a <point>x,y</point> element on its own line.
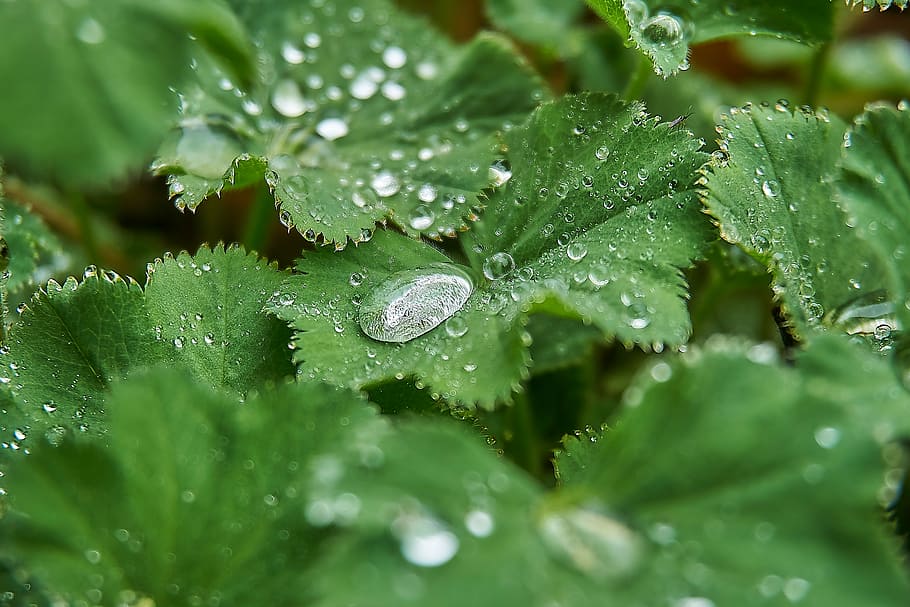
<point>663,30</point>
<point>538,21</point>
<point>361,114</point>
<point>91,97</point>
<point>600,215</point>
<point>874,187</point>
<point>72,340</point>
<point>34,250</point>
<point>750,494</point>
<point>301,489</point>
<point>771,191</point>
<point>883,5</point>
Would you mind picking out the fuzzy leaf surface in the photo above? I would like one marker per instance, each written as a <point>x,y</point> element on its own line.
<point>874,187</point>
<point>92,97</point>
<point>536,21</point>
<point>87,508</point>
<point>631,219</point>
<point>72,340</point>
<point>361,114</point>
<point>208,308</point>
<point>773,196</point>
<point>707,455</point>
<point>663,30</point>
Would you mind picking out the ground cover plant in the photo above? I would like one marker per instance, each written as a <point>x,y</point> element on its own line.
<point>471,303</point>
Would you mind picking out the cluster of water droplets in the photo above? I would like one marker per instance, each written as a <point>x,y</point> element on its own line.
<point>663,36</point>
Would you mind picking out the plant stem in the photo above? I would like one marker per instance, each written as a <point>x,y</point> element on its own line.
<point>816,73</point>
<point>639,79</point>
<point>262,210</point>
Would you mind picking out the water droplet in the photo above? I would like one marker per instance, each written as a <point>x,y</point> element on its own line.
<point>827,437</point>
<point>206,151</point>
<point>425,541</point>
<point>479,523</point>
<point>595,544</point>
<point>500,173</point>
<point>332,128</point>
<point>576,251</point>
<point>393,91</point>
<point>427,193</point>
<point>456,326</point>
<point>90,31</point>
<point>663,30</point>
<point>363,87</point>
<point>291,53</point>
<point>394,57</point>
<point>288,100</point>
<point>385,184</point>
<point>602,152</point>
<point>770,188</point>
<point>178,342</point>
<point>693,601</point>
<point>312,40</point>
<point>410,303</point>
<point>498,265</point>
<point>422,217</point>
<point>796,589</point>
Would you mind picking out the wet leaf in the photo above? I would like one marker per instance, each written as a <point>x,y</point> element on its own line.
<point>663,30</point>
<point>361,114</point>
<point>92,97</point>
<point>536,21</point>
<point>600,235</point>
<point>704,456</point>
<point>770,188</point>
<point>34,250</point>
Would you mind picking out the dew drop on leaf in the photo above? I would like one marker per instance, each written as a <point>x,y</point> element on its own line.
<point>425,541</point>
<point>394,57</point>
<point>422,217</point>
<point>331,129</point>
<point>385,184</point>
<point>498,265</point>
<point>412,302</point>
<point>288,100</point>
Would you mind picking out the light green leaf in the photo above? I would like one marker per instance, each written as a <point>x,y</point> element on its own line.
<point>92,97</point>
<point>663,30</point>
<point>92,521</point>
<point>207,307</point>
<point>750,494</point>
<point>538,21</point>
<point>874,187</point>
<point>362,114</point>
<point>600,236</point>
<point>771,191</point>
<point>34,250</point>
<point>72,340</point>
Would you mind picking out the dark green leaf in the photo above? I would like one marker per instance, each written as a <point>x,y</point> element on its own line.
<point>92,97</point>
<point>771,190</point>
<point>750,494</point>
<point>599,236</point>
<point>361,113</point>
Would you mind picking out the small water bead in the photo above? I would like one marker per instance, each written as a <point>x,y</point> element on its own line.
<point>292,54</point>
<point>479,523</point>
<point>425,541</point>
<point>288,100</point>
<point>456,326</point>
<point>770,188</point>
<point>90,31</point>
<point>331,129</point>
<point>394,57</point>
<point>427,193</point>
<point>576,251</point>
<point>385,184</point>
<point>500,173</point>
<point>422,218</point>
<point>393,91</point>
<point>412,302</point>
<point>663,30</point>
<point>827,437</point>
<point>363,87</point>
<point>312,40</point>
<point>602,153</point>
<point>498,266</point>
<point>694,601</point>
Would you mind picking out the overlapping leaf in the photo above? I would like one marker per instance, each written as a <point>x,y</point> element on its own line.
<point>749,494</point>
<point>596,222</point>
<point>301,488</point>
<point>74,339</point>
<point>361,114</point>
<point>663,30</point>
<point>772,194</point>
<point>536,21</point>
<point>874,187</point>
<point>92,97</point>
<point>33,248</point>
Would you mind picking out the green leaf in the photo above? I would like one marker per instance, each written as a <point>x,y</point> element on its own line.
<point>93,521</point>
<point>362,115</point>
<point>874,187</point>
<point>771,191</point>
<point>208,308</point>
<point>92,82</point>
<point>750,494</point>
<point>33,248</point>
<point>536,21</point>
<point>72,340</point>
<point>663,30</point>
<point>601,239</point>
<point>883,5</point>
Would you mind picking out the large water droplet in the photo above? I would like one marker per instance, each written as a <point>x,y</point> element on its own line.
<point>663,30</point>
<point>394,57</point>
<point>595,544</point>
<point>410,303</point>
<point>425,541</point>
<point>385,184</point>
<point>422,217</point>
<point>498,265</point>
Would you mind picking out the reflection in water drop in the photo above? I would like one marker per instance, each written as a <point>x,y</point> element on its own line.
<point>410,303</point>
